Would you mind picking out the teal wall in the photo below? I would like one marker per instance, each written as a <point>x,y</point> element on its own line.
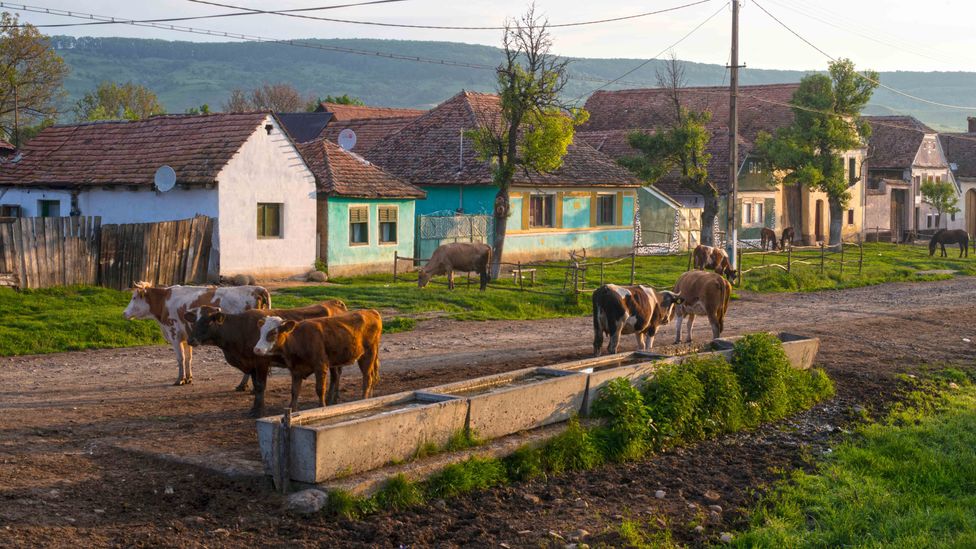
<point>657,216</point>
<point>477,199</point>
<point>344,259</point>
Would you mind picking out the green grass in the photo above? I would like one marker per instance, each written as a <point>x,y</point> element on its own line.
<point>908,481</point>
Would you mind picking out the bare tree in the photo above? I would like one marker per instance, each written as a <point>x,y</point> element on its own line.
<point>237,102</point>
<point>268,97</point>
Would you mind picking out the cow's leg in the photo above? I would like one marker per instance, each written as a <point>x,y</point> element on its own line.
<point>178,349</point>
<point>369,365</point>
<point>296,388</point>
<point>484,279</point>
<point>615,337</point>
<point>242,386</point>
<point>450,279</point>
<point>188,361</point>
<point>649,338</point>
<point>691,326</point>
<point>597,340</point>
<point>677,328</point>
<point>332,396</point>
<point>260,374</point>
<point>714,321</point>
<point>320,384</point>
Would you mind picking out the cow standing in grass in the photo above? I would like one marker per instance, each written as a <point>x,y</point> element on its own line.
<point>168,305</point>
<point>637,310</point>
<point>457,256</point>
<point>314,346</point>
<point>712,258</point>
<point>702,293</point>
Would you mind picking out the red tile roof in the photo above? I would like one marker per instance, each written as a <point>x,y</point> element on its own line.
<point>342,113</point>
<point>6,147</point>
<point>128,153</point>
<point>342,173</point>
<point>432,150</point>
<point>895,140</point>
<point>960,149</point>
<point>369,131</point>
<point>615,114</point>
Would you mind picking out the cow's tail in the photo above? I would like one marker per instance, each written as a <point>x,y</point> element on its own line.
<point>262,300</point>
<point>725,306</point>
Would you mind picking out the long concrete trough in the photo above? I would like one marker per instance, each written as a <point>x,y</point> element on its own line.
<point>335,441</point>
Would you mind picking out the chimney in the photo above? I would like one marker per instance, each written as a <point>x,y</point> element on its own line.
<point>972,123</point>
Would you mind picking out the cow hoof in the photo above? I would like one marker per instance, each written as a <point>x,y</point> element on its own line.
<point>179,382</point>
<point>255,413</point>
<point>241,388</point>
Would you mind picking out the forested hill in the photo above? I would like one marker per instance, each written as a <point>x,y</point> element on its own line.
<point>187,74</point>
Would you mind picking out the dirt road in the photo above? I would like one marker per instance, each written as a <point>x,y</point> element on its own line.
<point>81,434</point>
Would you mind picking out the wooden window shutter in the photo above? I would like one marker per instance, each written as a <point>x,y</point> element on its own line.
<point>526,209</point>
<point>619,208</point>
<point>594,204</point>
<point>359,215</point>
<point>558,221</point>
<point>388,215</point>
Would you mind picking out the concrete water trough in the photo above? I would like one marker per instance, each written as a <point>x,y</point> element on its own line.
<point>350,438</point>
<point>636,367</point>
<point>801,350</point>
<point>510,402</point>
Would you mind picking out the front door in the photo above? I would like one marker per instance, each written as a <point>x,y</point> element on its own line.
<point>897,218</point>
<point>971,211</point>
<point>818,221</point>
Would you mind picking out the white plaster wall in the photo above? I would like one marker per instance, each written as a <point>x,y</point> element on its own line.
<point>120,205</point>
<point>267,168</point>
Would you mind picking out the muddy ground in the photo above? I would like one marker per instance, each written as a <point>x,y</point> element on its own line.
<point>97,448</point>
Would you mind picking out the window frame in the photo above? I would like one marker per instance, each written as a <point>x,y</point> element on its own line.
<point>11,210</point>
<point>261,225</point>
<point>759,213</point>
<point>851,170</point>
<point>600,220</point>
<point>379,225</point>
<point>43,204</point>
<point>548,221</point>
<point>850,216</point>
<point>350,211</point>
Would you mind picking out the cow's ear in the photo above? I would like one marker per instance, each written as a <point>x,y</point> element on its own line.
<point>260,322</point>
<point>287,326</point>
<point>218,318</point>
<point>190,316</point>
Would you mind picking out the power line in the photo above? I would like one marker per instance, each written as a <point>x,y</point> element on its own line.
<point>445,27</point>
<point>865,77</point>
<point>215,16</point>
<point>659,54</point>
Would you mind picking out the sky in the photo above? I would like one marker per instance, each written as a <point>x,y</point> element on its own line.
<point>884,35</point>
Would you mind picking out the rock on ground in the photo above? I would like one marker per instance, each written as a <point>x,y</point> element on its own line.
<point>307,501</point>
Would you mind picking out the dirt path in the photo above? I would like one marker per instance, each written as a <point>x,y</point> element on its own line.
<point>80,433</point>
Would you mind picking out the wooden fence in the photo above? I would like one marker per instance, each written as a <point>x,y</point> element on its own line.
<point>39,252</point>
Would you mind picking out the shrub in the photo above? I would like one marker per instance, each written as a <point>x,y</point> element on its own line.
<point>399,493</point>
<point>673,397</point>
<point>574,449</point>
<point>762,368</point>
<point>342,503</point>
<point>629,428</point>
<point>806,388</point>
<point>524,464</point>
<point>721,408</point>
<point>474,473</point>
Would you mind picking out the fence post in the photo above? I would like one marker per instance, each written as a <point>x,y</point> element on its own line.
<point>789,258</point>
<point>860,258</point>
<point>520,277</point>
<point>823,248</point>
<point>396,260</point>
<point>601,276</point>
<point>842,258</point>
<point>633,268</point>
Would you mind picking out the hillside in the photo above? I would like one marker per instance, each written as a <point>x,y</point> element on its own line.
<point>186,74</point>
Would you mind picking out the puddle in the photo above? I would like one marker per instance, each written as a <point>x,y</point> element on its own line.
<point>367,412</point>
<point>491,386</point>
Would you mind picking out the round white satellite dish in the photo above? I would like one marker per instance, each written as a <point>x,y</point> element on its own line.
<point>165,179</point>
<point>347,139</point>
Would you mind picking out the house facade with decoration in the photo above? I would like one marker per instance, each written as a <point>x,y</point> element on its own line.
<point>589,202</point>
<point>960,151</point>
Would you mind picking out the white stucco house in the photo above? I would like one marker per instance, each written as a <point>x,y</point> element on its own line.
<point>241,169</point>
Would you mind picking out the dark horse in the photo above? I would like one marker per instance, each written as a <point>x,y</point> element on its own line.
<point>767,237</point>
<point>944,236</point>
<point>788,235</point>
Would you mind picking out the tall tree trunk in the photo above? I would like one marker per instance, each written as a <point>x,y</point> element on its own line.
<point>709,212</point>
<point>501,210</point>
<point>836,220</point>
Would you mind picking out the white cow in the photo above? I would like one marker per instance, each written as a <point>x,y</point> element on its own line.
<point>168,305</point>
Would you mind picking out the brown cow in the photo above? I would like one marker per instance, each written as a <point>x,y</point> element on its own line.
<point>637,310</point>
<point>237,334</point>
<point>767,237</point>
<point>168,305</point>
<point>702,293</point>
<point>457,256</point>
<point>714,258</point>
<point>312,346</point>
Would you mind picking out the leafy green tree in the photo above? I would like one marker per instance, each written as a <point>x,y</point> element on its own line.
<point>942,196</point>
<point>31,78</point>
<point>535,127</point>
<point>679,146</point>
<point>202,109</point>
<point>113,101</point>
<point>343,99</point>
<point>826,122</point>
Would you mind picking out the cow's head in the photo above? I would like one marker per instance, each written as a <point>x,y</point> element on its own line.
<point>731,274</point>
<point>932,245</point>
<point>139,306</point>
<point>274,331</point>
<point>204,323</point>
<point>423,278</point>
<point>666,301</point>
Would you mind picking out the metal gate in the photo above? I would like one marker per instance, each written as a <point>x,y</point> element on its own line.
<point>439,228</point>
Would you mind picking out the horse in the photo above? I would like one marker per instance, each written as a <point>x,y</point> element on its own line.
<point>945,236</point>
<point>767,236</point>
<point>788,235</point>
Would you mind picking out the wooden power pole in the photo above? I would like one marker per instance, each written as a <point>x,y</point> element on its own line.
<point>733,232</point>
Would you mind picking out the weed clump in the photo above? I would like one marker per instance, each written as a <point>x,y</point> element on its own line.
<point>399,493</point>
<point>673,397</point>
<point>629,428</point>
<point>574,449</point>
<point>762,367</point>
<point>722,409</point>
<point>474,473</point>
<point>524,464</point>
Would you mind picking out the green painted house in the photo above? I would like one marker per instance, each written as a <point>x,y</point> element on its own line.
<point>364,215</point>
<point>589,202</point>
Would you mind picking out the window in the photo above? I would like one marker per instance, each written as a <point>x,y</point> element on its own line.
<point>928,221</point>
<point>388,224</point>
<point>918,185</point>
<point>269,220</point>
<point>852,170</point>
<point>759,212</point>
<point>850,217</point>
<point>938,179</point>
<point>359,225</point>
<point>10,210</point>
<point>606,211</point>
<point>746,214</point>
<point>49,208</point>
<point>541,210</point>
<point>938,220</point>
<point>952,217</point>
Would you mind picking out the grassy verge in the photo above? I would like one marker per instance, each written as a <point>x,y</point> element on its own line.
<point>907,481</point>
<point>680,404</point>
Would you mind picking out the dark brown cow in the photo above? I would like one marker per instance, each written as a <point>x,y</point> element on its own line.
<point>788,235</point>
<point>457,256</point>
<point>237,334</point>
<point>702,293</point>
<point>313,346</point>
<point>637,310</point>
<point>767,237</point>
<point>714,258</point>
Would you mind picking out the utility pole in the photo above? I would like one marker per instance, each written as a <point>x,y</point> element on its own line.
<point>16,117</point>
<point>733,232</point>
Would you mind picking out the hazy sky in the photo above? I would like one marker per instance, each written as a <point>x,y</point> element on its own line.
<point>879,34</point>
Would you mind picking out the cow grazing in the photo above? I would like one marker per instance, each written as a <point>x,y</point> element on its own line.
<point>457,256</point>
<point>702,293</point>
<point>637,310</point>
<point>714,258</point>
<point>237,334</point>
<point>767,237</point>
<point>788,236</point>
<point>944,236</point>
<point>168,305</point>
<point>313,346</point>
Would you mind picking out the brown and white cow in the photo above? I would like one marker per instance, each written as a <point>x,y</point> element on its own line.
<point>457,256</point>
<point>702,293</point>
<point>168,305</point>
<point>713,258</point>
<point>236,334</point>
<point>316,345</point>
<point>637,310</point>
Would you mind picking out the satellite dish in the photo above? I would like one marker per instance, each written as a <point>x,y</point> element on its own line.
<point>347,139</point>
<point>165,179</point>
